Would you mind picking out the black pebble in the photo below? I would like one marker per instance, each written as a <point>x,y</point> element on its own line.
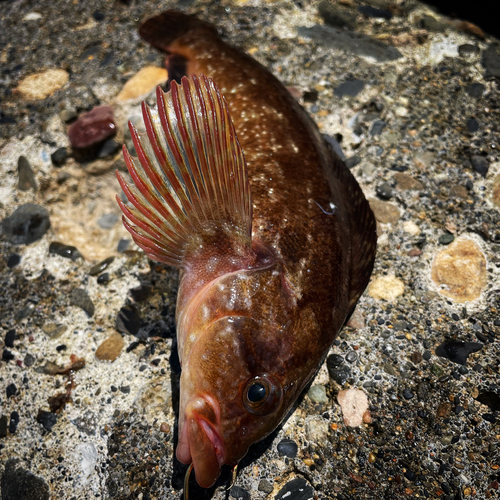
<point>377,127</point>
<point>14,421</point>
<point>475,89</point>
<point>4,424</point>
<point>125,389</point>
<point>407,394</point>
<point>11,390</point>
<point>334,360</point>
<point>481,164</point>
<point>472,125</point>
<point>79,297</point>
<point>59,157</point>
<point>108,148</point>
<point>10,336</point>
<point>336,16</point>
<point>491,60</point>
<point>310,96</point>
<point>21,484</point>
<point>14,260</point>
<point>287,448</point>
<point>47,419</point>
<point>63,250</point>
<point>98,15</point>
<point>61,348</point>
<point>351,88</point>
<point>296,489</point>
<point>446,239</point>
<point>489,417</point>
<point>368,11</point>
<point>26,175</point>
<point>7,355</point>
<point>467,49</point>
<point>103,279</point>
<point>340,374</point>
<point>141,292</point>
<point>410,475</point>
<point>28,223</point>
<point>352,161</point>
<point>239,493</point>
<point>384,191</point>
<point>457,351</point>
<point>29,360</point>
<point>123,244</point>
<point>128,321</point>
<point>99,268</point>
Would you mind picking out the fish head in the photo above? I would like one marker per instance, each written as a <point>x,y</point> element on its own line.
<point>235,384</point>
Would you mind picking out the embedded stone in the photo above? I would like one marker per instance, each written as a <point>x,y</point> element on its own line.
<point>92,127</point>
<point>41,85</point>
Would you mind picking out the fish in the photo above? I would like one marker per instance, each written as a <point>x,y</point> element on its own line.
<point>275,241</point>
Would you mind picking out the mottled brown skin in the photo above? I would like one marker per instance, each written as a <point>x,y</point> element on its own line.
<point>322,261</point>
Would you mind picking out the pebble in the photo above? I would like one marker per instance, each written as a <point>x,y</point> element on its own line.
<point>377,127</point>
<point>128,321</point>
<point>296,489</point>
<point>123,244</point>
<point>47,419</point>
<point>352,161</point>
<point>108,221</point>
<point>101,266</point>
<point>10,337</point>
<point>460,271</point>
<point>287,448</point>
<point>265,486</point>
<point>407,182</point>
<point>142,83</point>
<point>14,422</point>
<point>411,228</point>
<point>68,115</point>
<point>13,261</point>
<point>92,127</point>
<point>7,355</point>
<point>141,293</point>
<point>108,148</point>
<point>317,394</point>
<point>384,191</point>
<point>369,11</point>
<point>340,374</point>
<point>41,85</point>
<point>350,88</point>
<point>21,484</point>
<point>480,164</point>
<point>53,330</point>
<point>457,351</point>
<point>446,239</point>
<point>66,251</point>
<point>472,125</point>
<point>317,429</point>
<point>59,157</point>
<point>385,212</point>
<point>80,298</point>
<point>29,360</point>
<point>4,425</point>
<point>475,89</point>
<point>110,349</point>
<point>27,224</point>
<point>491,60</point>
<point>336,15</point>
<point>495,196</point>
<point>407,394</point>
<point>467,50</point>
<point>430,23</point>
<point>386,287</point>
<point>103,279</point>
<point>26,175</point>
<point>351,357</point>
<point>354,404</point>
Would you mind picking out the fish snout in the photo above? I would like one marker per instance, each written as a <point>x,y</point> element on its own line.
<point>200,442</point>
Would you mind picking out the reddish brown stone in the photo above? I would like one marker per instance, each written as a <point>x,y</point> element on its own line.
<point>92,127</point>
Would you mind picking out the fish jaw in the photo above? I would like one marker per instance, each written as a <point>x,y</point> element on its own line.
<point>200,442</point>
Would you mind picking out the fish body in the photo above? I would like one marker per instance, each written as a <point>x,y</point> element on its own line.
<point>274,238</point>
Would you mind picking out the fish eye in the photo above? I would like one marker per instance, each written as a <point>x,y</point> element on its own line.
<point>262,395</point>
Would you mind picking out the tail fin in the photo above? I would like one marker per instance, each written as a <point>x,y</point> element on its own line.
<point>164,29</point>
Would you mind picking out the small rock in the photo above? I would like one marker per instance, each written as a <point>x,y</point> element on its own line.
<point>287,448</point>
<point>41,85</point>
<point>459,192</point>
<point>239,493</point>
<point>423,160</point>
<point>296,489</point>
<point>143,83</point>
<point>47,419</point>
<point>20,484</point>
<point>350,88</point>
<point>11,390</point>
<point>457,351</point>
<point>98,15</point>
<point>79,298</point>
<point>14,422</point>
<point>340,374</point>
<point>354,403</point>
<point>108,148</point>
<point>52,330</point>
<point>407,182</point>
<point>384,190</point>
<point>68,115</point>
<point>407,394</point>
<point>369,11</point>
<point>446,239</point>
<point>317,394</point>
<point>123,244</point>
<point>7,355</point>
<point>92,127</point>
<point>265,486</point>
<point>108,221</point>
<point>317,429</point>
<point>65,251</point>
<point>4,425</point>
<point>386,287</point>
<point>411,228</point>
<point>491,60</point>
<point>10,337</point>
<point>13,261</point>
<point>26,175</point>
<point>110,349</point>
<point>481,164</point>
<point>351,357</point>
<point>141,292</point>
<point>28,223</point>
<point>59,157</point>
<point>460,271</point>
<point>467,50</point>
<point>385,213</point>
<point>472,125</point>
<point>125,389</point>
<point>336,16</point>
<point>103,279</point>
<point>352,161</point>
<point>128,321</point>
<point>99,268</point>
<point>430,23</point>
<point>86,423</point>
<point>475,89</point>
<point>29,360</point>
<point>377,127</point>
<point>495,196</point>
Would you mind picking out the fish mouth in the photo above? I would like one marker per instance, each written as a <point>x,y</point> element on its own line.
<point>200,442</point>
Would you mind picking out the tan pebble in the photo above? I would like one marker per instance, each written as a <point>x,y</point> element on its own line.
<point>385,212</point>
<point>356,320</point>
<point>354,404</point>
<point>444,410</point>
<point>460,271</point>
<point>386,288</point>
<point>495,197</point>
<point>164,427</point>
<point>372,457</point>
<point>41,85</point>
<point>458,192</point>
<point>110,349</point>
<point>367,417</point>
<point>143,83</point>
<point>411,228</point>
<point>308,461</point>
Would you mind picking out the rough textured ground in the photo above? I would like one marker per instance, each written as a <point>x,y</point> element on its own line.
<point>419,124</point>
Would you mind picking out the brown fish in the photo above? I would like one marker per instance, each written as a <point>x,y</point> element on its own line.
<point>273,235</point>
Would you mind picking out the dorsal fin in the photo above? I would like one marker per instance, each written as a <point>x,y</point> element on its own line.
<point>190,178</point>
